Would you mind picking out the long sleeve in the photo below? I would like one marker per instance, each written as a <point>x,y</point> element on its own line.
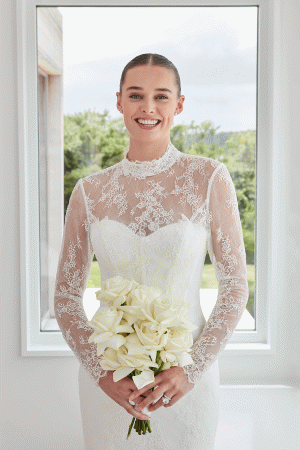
<point>227,253</point>
<point>71,279</point>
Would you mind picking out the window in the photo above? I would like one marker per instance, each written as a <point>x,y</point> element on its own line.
<point>226,83</point>
<point>35,209</point>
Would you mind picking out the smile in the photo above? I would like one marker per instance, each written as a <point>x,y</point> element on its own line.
<point>147,123</point>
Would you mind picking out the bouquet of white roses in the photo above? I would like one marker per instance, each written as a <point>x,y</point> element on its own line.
<point>140,334</point>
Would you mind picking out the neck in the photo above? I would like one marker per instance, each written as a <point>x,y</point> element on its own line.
<point>147,151</point>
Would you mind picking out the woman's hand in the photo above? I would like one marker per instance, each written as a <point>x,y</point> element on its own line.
<point>120,390</point>
<point>172,382</point>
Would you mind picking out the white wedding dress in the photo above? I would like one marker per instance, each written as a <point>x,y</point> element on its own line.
<point>154,222</point>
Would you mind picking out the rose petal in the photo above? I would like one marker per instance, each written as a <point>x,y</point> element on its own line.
<point>99,337</point>
<point>115,341</point>
<point>146,377</point>
<point>185,359</point>
<point>121,372</point>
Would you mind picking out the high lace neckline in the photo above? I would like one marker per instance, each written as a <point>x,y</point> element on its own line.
<point>143,169</point>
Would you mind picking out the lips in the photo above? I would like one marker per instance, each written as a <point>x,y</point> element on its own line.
<point>147,123</point>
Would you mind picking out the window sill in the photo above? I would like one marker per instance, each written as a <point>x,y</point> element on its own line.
<point>247,349</point>
<point>208,299</point>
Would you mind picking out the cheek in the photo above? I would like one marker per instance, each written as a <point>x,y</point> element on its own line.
<point>168,115</point>
<point>127,113</point>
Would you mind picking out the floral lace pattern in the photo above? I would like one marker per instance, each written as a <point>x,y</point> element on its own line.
<point>154,221</point>
<point>86,353</point>
<point>71,279</point>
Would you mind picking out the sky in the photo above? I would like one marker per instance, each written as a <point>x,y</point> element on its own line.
<point>213,48</point>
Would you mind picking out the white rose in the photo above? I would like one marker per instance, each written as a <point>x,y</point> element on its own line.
<point>179,340</point>
<point>107,323</point>
<point>136,302</point>
<point>177,348</point>
<point>140,362</point>
<point>151,335</point>
<point>110,361</point>
<point>165,311</point>
<point>115,290</point>
<point>142,294</point>
<point>134,346</point>
<point>123,364</point>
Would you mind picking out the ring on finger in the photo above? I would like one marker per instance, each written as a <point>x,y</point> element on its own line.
<point>166,399</point>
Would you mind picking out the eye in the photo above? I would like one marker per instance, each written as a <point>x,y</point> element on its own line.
<point>162,96</point>
<point>134,96</point>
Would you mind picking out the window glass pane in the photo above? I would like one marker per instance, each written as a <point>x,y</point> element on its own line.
<point>215,51</point>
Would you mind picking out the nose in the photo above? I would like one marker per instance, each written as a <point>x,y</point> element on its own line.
<point>148,106</point>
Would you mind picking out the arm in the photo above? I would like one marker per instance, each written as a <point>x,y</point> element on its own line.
<point>227,253</point>
<point>71,279</point>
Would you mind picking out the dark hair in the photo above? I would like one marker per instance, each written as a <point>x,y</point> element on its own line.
<point>153,59</point>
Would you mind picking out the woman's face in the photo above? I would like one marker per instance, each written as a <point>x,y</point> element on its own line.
<point>149,100</point>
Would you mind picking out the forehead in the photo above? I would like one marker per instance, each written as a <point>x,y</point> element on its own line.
<point>150,76</point>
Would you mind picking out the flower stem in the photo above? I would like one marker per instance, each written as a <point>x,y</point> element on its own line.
<point>160,367</point>
<point>157,356</point>
<point>130,427</point>
<point>140,426</point>
<point>148,425</point>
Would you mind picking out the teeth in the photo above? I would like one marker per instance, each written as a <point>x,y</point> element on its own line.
<point>147,122</point>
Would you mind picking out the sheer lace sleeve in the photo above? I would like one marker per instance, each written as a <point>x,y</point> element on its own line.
<point>72,274</point>
<point>227,253</point>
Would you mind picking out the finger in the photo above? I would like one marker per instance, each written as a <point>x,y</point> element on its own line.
<point>138,392</point>
<point>174,398</point>
<point>139,415</point>
<point>130,392</point>
<point>153,397</point>
<point>155,406</point>
<point>139,399</point>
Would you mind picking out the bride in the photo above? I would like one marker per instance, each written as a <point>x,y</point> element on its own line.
<point>152,217</point>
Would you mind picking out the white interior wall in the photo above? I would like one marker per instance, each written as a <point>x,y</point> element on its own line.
<point>39,404</point>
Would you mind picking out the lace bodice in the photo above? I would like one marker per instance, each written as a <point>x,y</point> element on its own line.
<point>154,221</point>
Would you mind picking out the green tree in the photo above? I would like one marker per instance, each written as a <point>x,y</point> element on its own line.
<point>193,138</point>
<point>178,137</point>
<point>92,141</point>
<point>240,156</point>
<point>240,152</point>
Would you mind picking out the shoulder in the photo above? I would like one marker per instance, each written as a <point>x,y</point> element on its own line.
<point>98,178</point>
<point>206,166</point>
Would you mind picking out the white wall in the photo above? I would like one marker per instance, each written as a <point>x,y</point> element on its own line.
<point>40,406</point>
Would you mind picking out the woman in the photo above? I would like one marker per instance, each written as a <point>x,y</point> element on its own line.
<point>152,217</point>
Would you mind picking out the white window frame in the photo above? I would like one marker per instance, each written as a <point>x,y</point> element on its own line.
<point>270,188</point>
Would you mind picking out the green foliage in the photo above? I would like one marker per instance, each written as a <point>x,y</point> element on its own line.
<point>240,153</point>
<point>240,161</point>
<point>192,139</point>
<point>73,176</point>
<point>92,141</point>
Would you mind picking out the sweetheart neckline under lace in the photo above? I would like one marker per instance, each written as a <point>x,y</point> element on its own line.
<point>184,218</point>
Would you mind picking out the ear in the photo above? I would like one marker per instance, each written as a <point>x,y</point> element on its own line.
<point>119,102</point>
<point>180,104</point>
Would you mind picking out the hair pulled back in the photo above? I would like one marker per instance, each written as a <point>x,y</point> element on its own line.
<point>151,59</point>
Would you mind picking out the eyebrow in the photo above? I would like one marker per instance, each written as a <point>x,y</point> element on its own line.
<point>140,89</point>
